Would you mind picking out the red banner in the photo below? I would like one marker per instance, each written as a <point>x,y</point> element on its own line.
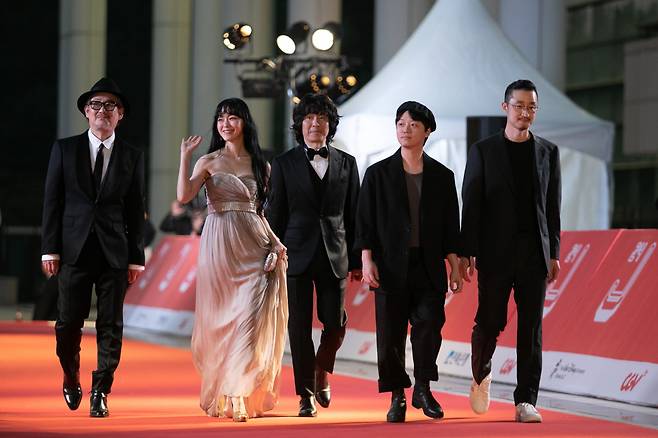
<point>611,310</point>
<point>169,280</point>
<point>602,304</point>
<point>581,255</point>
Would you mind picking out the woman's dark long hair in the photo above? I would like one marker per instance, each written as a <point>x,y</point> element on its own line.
<point>238,107</point>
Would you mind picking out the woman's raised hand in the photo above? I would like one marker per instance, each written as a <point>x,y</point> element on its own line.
<point>187,145</point>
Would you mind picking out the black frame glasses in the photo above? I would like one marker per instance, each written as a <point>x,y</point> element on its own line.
<point>108,106</point>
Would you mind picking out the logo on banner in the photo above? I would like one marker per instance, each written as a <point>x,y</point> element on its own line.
<point>361,294</point>
<point>171,272</point>
<point>365,347</point>
<point>631,381</point>
<point>188,280</point>
<point>507,366</point>
<point>457,358</point>
<point>147,276</point>
<point>185,325</point>
<point>562,370</point>
<point>572,261</point>
<point>616,294</point>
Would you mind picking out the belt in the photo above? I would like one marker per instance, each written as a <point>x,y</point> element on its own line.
<point>220,207</point>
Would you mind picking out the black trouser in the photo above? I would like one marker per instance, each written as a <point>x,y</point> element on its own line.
<point>528,279</point>
<point>74,301</point>
<point>45,307</point>
<point>422,306</point>
<point>330,293</point>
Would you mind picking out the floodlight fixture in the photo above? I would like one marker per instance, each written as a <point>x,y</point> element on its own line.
<point>324,38</point>
<point>295,35</point>
<point>237,36</point>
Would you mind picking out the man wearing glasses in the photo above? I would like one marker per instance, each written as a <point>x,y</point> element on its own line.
<point>511,232</point>
<point>93,218</point>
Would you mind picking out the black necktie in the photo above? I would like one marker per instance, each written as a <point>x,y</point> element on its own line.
<point>98,168</point>
<point>311,153</point>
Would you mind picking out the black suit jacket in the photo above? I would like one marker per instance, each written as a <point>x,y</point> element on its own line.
<point>489,228</point>
<point>301,220</point>
<point>383,221</point>
<point>71,207</point>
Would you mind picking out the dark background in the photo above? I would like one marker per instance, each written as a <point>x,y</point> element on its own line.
<point>28,125</point>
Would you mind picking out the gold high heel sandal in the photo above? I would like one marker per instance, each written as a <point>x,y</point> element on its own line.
<point>239,410</point>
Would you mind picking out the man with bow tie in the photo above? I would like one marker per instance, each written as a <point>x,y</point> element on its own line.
<point>314,189</point>
<point>92,236</point>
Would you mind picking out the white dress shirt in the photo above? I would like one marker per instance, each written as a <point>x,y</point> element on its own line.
<point>320,165</point>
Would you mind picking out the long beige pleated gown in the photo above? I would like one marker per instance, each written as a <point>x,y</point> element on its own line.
<point>241,310</point>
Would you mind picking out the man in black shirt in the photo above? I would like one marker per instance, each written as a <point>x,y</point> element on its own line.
<point>407,226</point>
<point>511,225</point>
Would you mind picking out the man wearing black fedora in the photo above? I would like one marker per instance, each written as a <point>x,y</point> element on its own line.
<point>93,217</point>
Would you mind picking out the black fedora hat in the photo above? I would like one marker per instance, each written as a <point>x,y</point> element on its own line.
<point>104,85</point>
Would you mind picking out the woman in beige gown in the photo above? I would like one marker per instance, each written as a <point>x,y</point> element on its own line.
<point>241,298</point>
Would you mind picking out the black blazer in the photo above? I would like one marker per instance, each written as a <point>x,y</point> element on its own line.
<point>488,220</point>
<point>383,221</point>
<point>300,220</point>
<point>71,210</point>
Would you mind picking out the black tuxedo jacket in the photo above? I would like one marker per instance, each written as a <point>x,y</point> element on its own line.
<point>489,228</point>
<point>301,220</point>
<point>71,208</point>
<point>383,221</point>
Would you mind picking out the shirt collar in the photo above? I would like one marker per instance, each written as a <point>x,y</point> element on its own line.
<point>95,142</point>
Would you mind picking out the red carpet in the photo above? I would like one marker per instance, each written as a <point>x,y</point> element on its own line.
<point>155,395</point>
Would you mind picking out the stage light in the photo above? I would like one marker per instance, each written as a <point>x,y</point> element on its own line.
<point>289,41</point>
<point>313,83</point>
<point>236,36</point>
<point>324,38</point>
<point>342,87</point>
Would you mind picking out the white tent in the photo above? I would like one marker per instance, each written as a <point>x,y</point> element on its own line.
<point>458,63</point>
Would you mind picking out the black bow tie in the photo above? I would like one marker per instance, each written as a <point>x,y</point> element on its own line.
<point>311,153</point>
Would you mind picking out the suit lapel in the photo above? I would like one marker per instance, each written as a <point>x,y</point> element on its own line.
<point>115,162</point>
<point>83,166</point>
<point>333,172</point>
<point>301,174</point>
<point>399,183</point>
<point>428,181</point>
<point>540,154</point>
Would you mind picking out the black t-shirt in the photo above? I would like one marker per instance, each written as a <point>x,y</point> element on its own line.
<point>522,158</point>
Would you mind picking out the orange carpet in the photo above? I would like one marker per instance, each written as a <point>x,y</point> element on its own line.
<point>155,395</point>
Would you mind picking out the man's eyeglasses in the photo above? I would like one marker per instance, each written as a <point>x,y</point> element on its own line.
<point>521,108</point>
<point>108,106</point>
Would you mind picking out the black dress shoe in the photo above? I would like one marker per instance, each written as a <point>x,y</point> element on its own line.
<point>322,389</point>
<point>98,404</point>
<point>72,396</point>
<point>307,407</point>
<point>423,398</point>
<point>398,410</point>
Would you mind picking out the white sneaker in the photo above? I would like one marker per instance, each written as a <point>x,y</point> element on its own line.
<point>527,413</point>
<point>479,396</point>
